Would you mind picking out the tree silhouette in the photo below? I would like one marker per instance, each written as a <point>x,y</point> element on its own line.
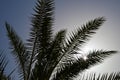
<point>49,56</point>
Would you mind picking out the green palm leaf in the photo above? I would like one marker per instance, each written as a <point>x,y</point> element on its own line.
<point>106,76</point>
<point>3,64</point>
<point>72,69</point>
<point>18,49</point>
<point>83,34</point>
<point>41,33</point>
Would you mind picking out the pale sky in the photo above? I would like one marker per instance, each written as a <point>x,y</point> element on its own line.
<point>69,14</point>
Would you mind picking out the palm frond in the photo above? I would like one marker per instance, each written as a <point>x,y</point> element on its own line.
<point>105,76</point>
<point>55,51</point>
<point>3,64</point>
<point>83,34</point>
<point>18,49</point>
<point>72,70</point>
<point>41,32</point>
<point>42,24</point>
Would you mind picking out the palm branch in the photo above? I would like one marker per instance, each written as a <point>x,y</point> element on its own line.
<point>105,76</point>
<point>18,50</point>
<point>3,65</point>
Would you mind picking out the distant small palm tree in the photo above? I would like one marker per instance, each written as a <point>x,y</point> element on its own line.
<point>48,57</point>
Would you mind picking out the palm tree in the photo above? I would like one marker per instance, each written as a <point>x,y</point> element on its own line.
<point>48,56</point>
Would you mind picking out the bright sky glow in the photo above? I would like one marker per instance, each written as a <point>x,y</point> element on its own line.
<point>85,58</point>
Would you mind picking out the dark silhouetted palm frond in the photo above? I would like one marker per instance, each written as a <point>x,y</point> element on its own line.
<point>106,76</point>
<point>18,50</point>
<point>3,65</point>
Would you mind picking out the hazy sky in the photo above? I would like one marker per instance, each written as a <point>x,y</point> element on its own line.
<point>69,14</point>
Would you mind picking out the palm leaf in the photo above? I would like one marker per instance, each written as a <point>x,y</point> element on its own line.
<point>18,49</point>
<point>72,70</point>
<point>105,76</point>
<point>3,64</point>
<point>41,33</point>
<point>83,34</point>
<point>55,51</point>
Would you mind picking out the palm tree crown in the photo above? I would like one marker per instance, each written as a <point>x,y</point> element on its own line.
<point>48,57</point>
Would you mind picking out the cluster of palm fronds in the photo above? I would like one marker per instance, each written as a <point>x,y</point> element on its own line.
<point>48,57</point>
